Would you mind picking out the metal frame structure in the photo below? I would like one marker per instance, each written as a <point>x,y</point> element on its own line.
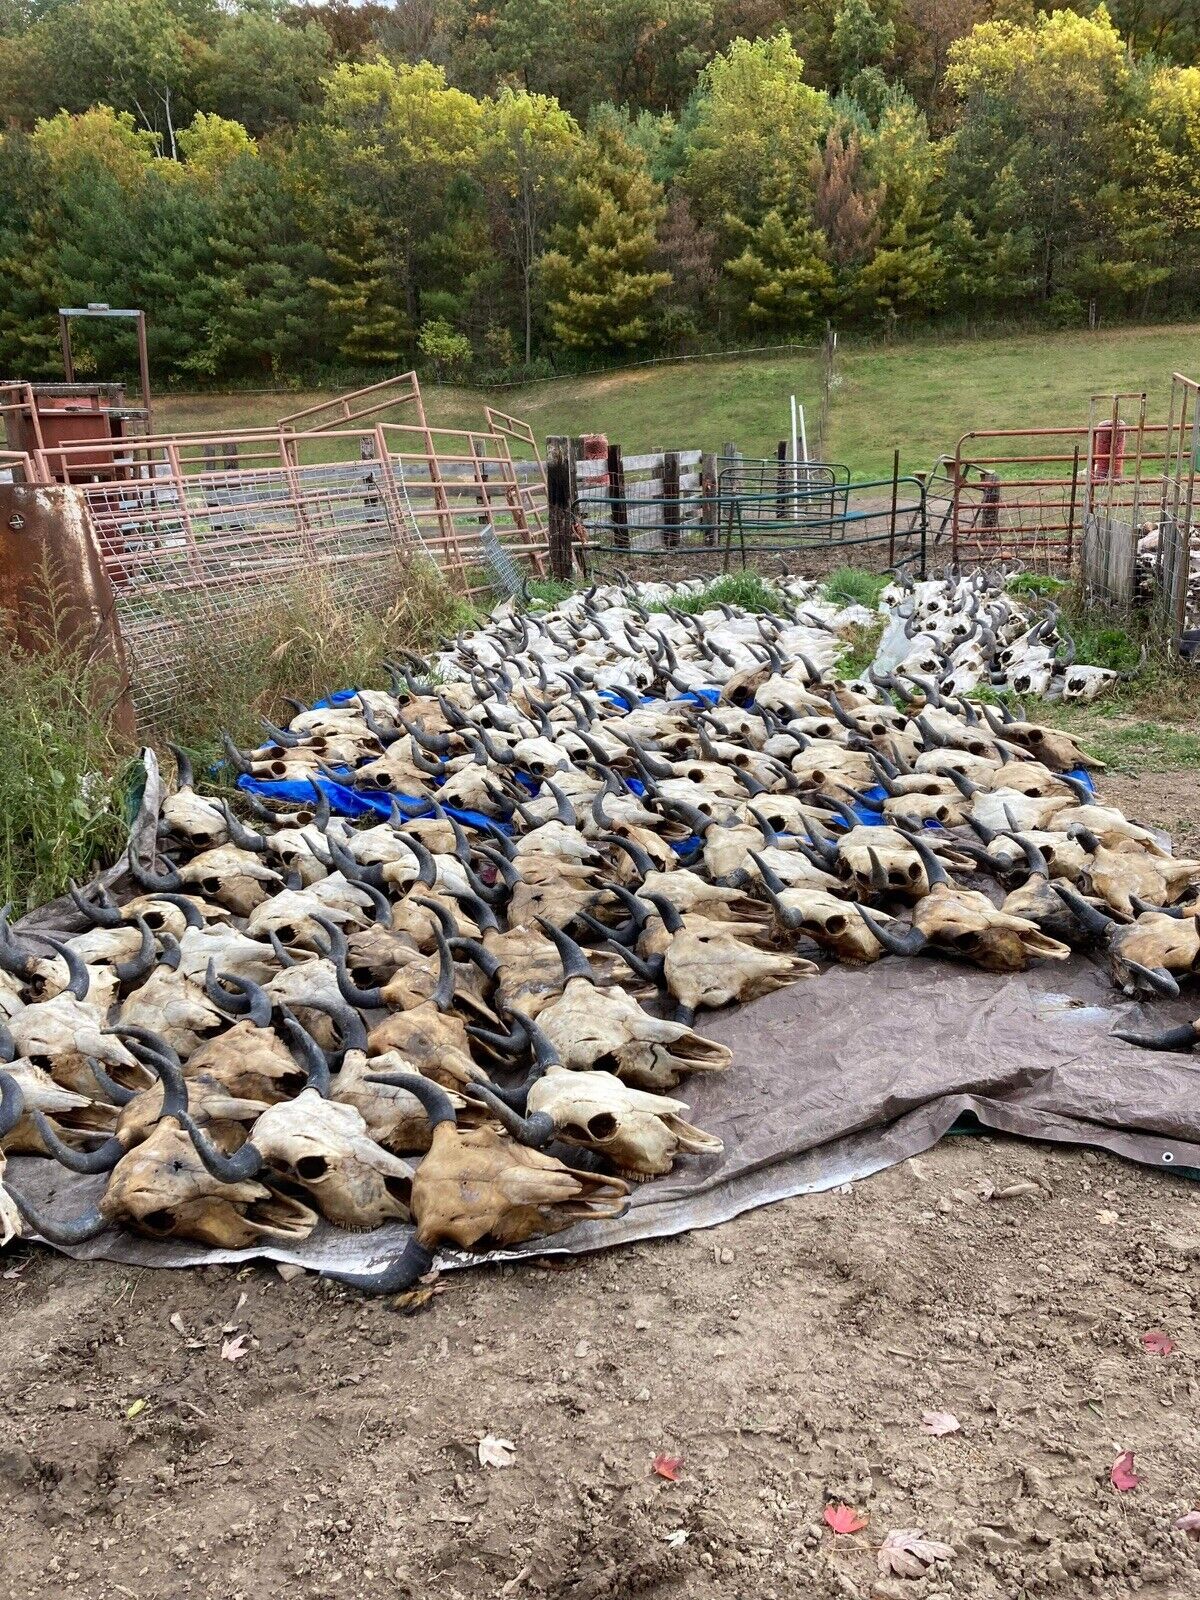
<point>1178,532</point>
<point>1035,487</point>
<point>884,516</point>
<point>98,311</point>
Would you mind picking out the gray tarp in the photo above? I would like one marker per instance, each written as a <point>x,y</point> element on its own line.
<point>834,1078</point>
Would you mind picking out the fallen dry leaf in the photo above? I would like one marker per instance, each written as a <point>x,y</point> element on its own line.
<point>907,1553</point>
<point>1157,1343</point>
<point>495,1452</point>
<point>1121,1474</point>
<point>668,1467</point>
<point>939,1423</point>
<point>136,1409</point>
<point>176,1322</point>
<point>1189,1523</point>
<point>235,1349</point>
<point>680,1537</point>
<point>844,1519</point>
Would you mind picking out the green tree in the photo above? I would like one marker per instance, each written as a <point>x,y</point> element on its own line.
<point>209,144</point>
<point>133,55</point>
<point>860,39</point>
<point>262,71</point>
<point>260,314</point>
<point>403,145</point>
<point>530,145</point>
<point>748,130</point>
<point>782,273</point>
<point>599,277</point>
<point>1042,102</point>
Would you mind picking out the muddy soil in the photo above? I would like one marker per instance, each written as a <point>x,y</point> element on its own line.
<point>787,1358</point>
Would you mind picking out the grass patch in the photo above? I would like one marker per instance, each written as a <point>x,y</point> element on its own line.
<point>62,768</point>
<point>863,643</point>
<point>63,771</point>
<point>306,643</point>
<point>1037,583</point>
<point>852,586</point>
<point>747,590</point>
<point>547,592</point>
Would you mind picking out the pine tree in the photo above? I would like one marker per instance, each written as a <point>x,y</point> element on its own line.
<point>264,313</point>
<point>845,206</point>
<point>599,278</point>
<point>783,272</point>
<point>367,322</point>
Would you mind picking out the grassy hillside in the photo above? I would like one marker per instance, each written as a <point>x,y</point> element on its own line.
<point>921,395</point>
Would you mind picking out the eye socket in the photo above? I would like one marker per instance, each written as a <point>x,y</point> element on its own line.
<point>602,1126</point>
<point>160,1221</point>
<point>836,923</point>
<point>310,1169</point>
<point>210,885</point>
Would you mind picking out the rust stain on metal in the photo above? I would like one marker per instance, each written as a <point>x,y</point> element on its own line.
<point>46,539</point>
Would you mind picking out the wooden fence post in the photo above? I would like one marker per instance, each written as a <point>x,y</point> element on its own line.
<point>558,492</point>
<point>616,490</point>
<point>709,509</point>
<point>670,489</point>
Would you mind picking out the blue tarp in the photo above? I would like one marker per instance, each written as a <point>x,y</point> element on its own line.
<point>348,801</point>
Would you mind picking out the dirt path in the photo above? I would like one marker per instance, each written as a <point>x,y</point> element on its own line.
<point>787,1357</point>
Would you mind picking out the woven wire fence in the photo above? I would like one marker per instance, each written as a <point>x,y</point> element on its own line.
<point>201,537</point>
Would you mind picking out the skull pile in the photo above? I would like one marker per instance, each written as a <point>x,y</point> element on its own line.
<point>476,1011</point>
<point>959,632</point>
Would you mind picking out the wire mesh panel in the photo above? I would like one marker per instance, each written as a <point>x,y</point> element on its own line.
<point>201,534</point>
<point>193,557</point>
<point>1178,541</point>
<point>879,523</point>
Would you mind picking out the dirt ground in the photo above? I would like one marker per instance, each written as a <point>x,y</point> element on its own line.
<point>787,1358</point>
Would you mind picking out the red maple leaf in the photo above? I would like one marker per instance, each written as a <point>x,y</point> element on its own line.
<point>1158,1343</point>
<point>668,1467</point>
<point>844,1519</point>
<point>1121,1475</point>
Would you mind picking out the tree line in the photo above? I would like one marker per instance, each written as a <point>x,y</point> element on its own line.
<point>505,185</point>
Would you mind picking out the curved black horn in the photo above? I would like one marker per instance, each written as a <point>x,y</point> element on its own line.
<point>307,1051</point>
<point>574,959</point>
<point>906,944</point>
<point>248,999</point>
<point>138,966</point>
<point>241,1167</point>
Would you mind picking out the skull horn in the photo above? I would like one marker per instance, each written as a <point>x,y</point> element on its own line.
<point>1181,1038</point>
<point>153,881</point>
<point>1098,923</point>
<point>1156,978</point>
<point>241,1167</point>
<point>640,858</point>
<point>141,964</point>
<point>906,944</point>
<point>339,953</point>
<point>12,1104</point>
<point>236,759</point>
<point>436,1102</point>
<point>249,999</point>
<point>574,959</point>
<point>79,1231</point>
<point>243,837</point>
<point>413,1262</point>
<point>101,912</point>
<point>536,1130</point>
<point>183,766</point>
<point>935,872</point>
<point>307,1051</point>
<point>78,978</point>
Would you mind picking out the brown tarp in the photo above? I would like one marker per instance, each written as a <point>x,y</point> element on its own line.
<point>833,1079</point>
